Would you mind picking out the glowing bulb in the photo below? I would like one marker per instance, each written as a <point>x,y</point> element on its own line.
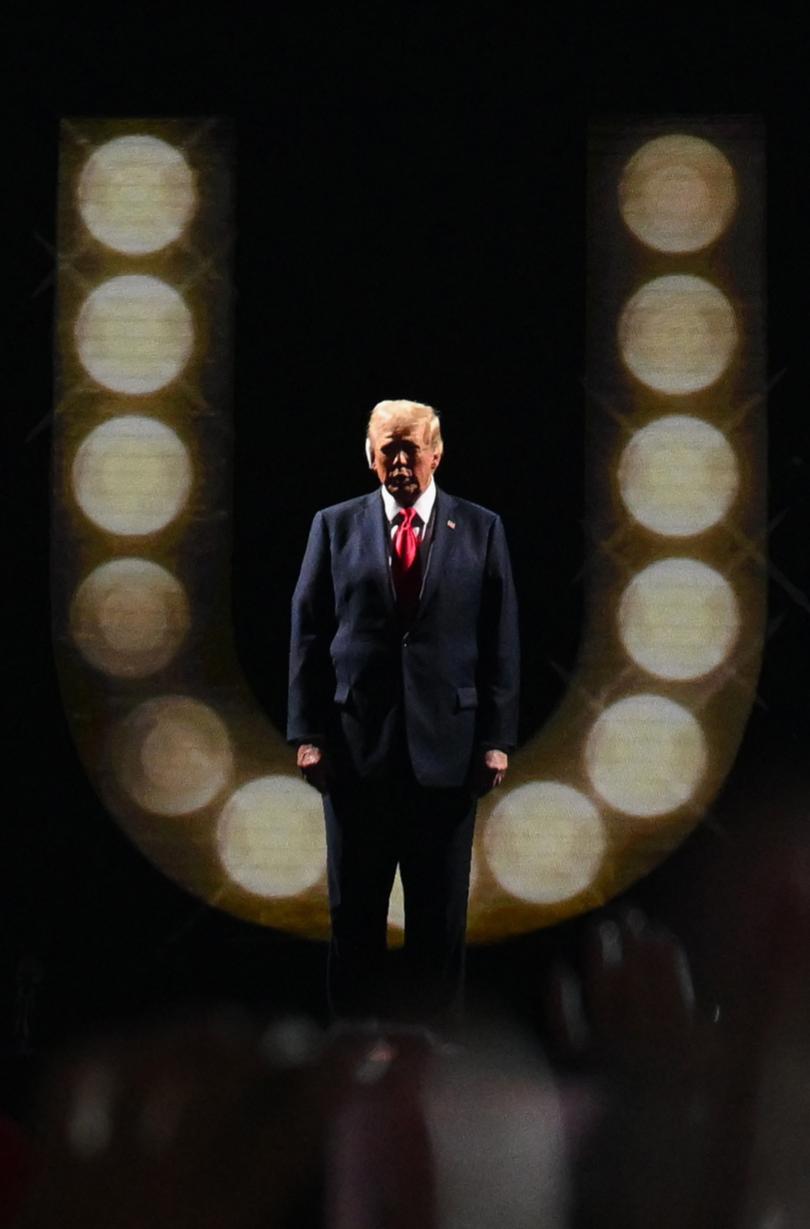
<point>677,334</point>
<point>270,837</point>
<point>645,755</point>
<point>677,193</point>
<point>134,334</point>
<point>132,475</point>
<point>678,619</point>
<point>173,755</point>
<point>545,842</point>
<point>128,617</point>
<point>678,476</point>
<point>136,194</point>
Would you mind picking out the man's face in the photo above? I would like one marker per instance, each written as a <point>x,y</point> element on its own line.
<point>403,460</point>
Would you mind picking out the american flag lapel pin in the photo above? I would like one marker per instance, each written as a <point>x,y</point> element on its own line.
<point>451,524</point>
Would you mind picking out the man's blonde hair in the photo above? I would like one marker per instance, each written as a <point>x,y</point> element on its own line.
<point>404,414</point>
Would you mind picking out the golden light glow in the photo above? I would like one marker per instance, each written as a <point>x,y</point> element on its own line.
<point>174,755</point>
<point>545,842</point>
<point>168,729</point>
<point>134,334</point>
<point>678,476</point>
<point>677,193</point>
<point>677,334</point>
<point>270,836</point>
<point>678,619</point>
<point>645,755</point>
<point>128,617</point>
<point>136,194</point>
<point>396,904</point>
<point>132,475</point>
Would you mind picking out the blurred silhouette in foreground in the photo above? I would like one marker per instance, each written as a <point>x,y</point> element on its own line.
<point>661,1110</point>
<point>220,1123</point>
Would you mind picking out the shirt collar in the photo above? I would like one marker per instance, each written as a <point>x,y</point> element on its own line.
<point>423,505</point>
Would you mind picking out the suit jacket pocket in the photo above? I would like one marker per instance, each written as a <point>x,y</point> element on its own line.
<point>466,697</point>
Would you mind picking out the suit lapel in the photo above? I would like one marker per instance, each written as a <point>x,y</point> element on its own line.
<point>372,531</point>
<point>444,539</point>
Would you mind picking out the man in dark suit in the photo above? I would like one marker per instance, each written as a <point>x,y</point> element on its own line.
<point>404,669</point>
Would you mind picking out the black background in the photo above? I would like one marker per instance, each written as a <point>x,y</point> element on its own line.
<point>410,222</point>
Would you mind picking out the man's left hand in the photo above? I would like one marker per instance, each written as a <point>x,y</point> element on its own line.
<point>490,772</point>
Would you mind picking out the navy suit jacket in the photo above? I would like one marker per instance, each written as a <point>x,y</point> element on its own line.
<point>358,677</point>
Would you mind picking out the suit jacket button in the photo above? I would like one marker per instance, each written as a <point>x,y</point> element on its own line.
<point>404,642</point>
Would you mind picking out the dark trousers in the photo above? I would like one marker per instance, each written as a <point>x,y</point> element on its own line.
<point>370,828</point>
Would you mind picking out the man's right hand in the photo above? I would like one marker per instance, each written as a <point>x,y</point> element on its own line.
<point>314,766</point>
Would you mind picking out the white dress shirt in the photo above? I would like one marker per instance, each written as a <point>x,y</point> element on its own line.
<point>423,508</point>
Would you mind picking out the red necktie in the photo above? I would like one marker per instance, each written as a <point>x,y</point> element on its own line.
<point>405,563</point>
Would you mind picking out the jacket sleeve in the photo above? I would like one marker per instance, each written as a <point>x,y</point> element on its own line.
<point>312,678</point>
<point>499,649</point>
